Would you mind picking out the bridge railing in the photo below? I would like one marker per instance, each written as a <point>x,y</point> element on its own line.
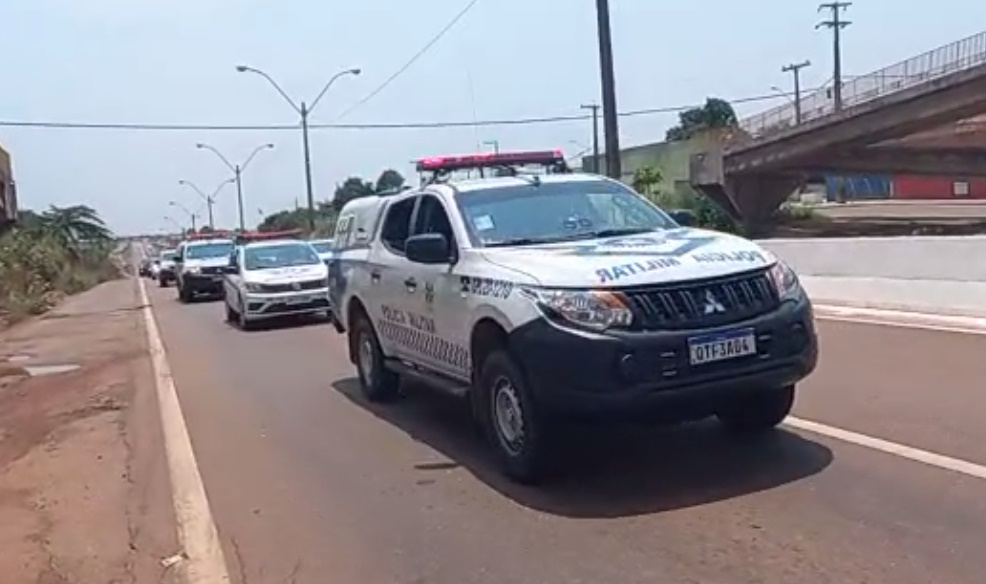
<point>957,56</point>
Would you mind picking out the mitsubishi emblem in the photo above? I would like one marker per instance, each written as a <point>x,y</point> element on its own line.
<point>712,304</point>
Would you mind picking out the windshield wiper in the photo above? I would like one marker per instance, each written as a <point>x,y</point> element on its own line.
<point>521,241</point>
<point>616,232</point>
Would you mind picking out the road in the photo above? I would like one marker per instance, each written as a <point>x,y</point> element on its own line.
<point>309,484</point>
<point>916,210</point>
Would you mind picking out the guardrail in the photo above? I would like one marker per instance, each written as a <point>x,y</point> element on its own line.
<point>957,56</point>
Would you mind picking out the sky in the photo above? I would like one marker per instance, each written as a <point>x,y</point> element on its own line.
<point>173,62</point>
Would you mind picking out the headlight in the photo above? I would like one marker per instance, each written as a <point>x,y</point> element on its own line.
<point>785,281</point>
<point>193,269</point>
<point>253,287</point>
<point>593,309</point>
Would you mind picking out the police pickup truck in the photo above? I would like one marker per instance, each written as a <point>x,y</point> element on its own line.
<point>272,275</point>
<point>549,296</point>
<point>200,262</point>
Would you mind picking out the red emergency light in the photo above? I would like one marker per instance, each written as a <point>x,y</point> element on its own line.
<point>548,158</point>
<point>208,235</point>
<point>252,236</point>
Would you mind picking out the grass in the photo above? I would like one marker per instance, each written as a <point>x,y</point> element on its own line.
<point>37,270</point>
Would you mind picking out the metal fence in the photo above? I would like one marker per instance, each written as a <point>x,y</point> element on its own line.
<point>957,56</point>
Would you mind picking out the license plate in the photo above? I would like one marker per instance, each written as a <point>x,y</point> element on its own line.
<point>299,300</point>
<point>722,346</point>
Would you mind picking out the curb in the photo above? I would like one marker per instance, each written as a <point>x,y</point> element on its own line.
<point>901,307</point>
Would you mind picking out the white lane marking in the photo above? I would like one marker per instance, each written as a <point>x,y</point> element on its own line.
<point>197,531</point>
<point>969,325</point>
<point>915,454</point>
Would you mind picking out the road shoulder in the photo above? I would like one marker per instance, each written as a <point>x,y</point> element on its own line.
<point>84,492</point>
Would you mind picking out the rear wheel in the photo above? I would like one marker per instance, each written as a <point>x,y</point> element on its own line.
<point>520,433</point>
<point>757,412</point>
<point>376,381</point>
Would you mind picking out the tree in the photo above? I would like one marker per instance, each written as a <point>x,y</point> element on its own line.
<point>389,180</point>
<point>645,179</point>
<point>74,225</point>
<point>353,187</point>
<point>716,113</point>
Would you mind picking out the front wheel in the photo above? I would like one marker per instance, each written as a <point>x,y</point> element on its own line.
<point>757,412</point>
<point>376,381</point>
<point>518,431</point>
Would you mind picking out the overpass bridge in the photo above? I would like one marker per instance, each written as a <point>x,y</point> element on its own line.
<point>920,116</point>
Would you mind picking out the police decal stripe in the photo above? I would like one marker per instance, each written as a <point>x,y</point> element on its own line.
<point>430,345</point>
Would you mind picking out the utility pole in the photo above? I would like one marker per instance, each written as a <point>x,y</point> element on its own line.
<point>608,78</point>
<point>795,70</point>
<point>836,24</point>
<point>595,134</point>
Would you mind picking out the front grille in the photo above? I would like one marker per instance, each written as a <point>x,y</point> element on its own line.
<point>703,304</point>
<point>212,270</point>
<point>280,288</point>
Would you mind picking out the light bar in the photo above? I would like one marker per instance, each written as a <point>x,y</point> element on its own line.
<point>252,236</point>
<point>208,235</point>
<point>489,159</point>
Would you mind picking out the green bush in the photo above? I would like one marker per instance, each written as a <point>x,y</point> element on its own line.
<point>708,215</point>
<point>42,260</point>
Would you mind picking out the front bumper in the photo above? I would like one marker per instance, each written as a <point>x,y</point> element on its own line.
<point>646,373</point>
<point>258,305</point>
<point>203,283</point>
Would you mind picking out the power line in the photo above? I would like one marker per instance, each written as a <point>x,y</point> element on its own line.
<point>366,126</point>
<point>465,10</point>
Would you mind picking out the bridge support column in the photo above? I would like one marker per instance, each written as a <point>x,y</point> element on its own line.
<point>758,196</point>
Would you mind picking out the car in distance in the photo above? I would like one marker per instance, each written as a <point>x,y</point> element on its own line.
<point>274,276</point>
<point>201,262</point>
<point>165,267</point>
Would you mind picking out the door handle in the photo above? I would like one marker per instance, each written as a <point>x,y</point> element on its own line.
<point>374,277</point>
<point>411,284</point>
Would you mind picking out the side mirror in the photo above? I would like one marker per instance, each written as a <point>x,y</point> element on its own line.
<point>428,248</point>
<point>683,217</point>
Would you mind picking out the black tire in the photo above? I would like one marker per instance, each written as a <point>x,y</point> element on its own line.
<point>231,315</point>
<point>184,295</point>
<point>758,412</point>
<point>242,321</point>
<point>527,460</point>
<point>378,383</point>
<point>161,282</point>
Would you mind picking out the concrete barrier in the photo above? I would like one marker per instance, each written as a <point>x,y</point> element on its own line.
<point>904,258</point>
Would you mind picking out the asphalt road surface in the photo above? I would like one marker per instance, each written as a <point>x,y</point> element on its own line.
<point>309,484</point>
<point>916,210</point>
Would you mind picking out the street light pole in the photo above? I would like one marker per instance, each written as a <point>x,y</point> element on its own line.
<point>795,70</point>
<point>237,170</point>
<point>303,110</point>
<point>185,209</point>
<point>210,200</point>
<point>608,79</point>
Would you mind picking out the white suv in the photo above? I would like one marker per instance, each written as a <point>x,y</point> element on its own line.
<point>545,297</point>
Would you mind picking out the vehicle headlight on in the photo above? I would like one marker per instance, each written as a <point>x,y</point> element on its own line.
<point>593,309</point>
<point>785,281</point>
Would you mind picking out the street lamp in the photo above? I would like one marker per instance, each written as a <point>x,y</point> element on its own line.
<point>210,200</point>
<point>191,216</point>
<point>181,230</point>
<point>237,172</point>
<point>303,110</point>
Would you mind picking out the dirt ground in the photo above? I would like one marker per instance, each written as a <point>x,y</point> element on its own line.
<point>84,494</point>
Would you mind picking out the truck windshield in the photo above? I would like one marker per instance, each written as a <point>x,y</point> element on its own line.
<point>550,212</point>
<point>283,255</point>
<point>208,250</point>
